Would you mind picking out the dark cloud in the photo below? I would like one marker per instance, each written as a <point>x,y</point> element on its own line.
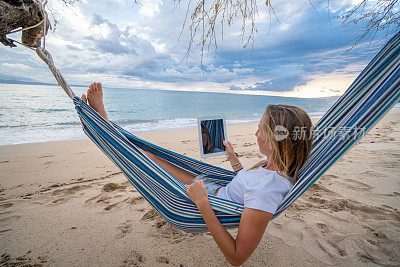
<point>314,47</point>
<point>281,84</point>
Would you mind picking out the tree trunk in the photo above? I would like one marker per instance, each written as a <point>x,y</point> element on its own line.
<point>21,13</point>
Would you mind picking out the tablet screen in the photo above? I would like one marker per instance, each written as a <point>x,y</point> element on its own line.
<point>212,132</point>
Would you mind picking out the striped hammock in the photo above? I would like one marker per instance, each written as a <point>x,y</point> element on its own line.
<point>369,98</point>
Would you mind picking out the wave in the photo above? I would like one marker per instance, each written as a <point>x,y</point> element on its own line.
<point>41,110</point>
<point>157,125</point>
<point>316,114</point>
<point>134,121</point>
<point>14,126</point>
<point>71,123</point>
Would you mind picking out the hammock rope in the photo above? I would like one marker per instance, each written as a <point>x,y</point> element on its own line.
<point>48,59</point>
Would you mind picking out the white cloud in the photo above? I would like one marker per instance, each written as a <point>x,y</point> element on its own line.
<point>17,66</point>
<point>150,8</point>
<point>71,18</point>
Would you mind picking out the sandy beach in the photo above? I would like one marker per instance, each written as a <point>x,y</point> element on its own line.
<point>64,203</point>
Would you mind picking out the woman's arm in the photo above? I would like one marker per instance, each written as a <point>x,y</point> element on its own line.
<point>251,228</point>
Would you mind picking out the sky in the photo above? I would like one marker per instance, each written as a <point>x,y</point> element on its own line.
<point>128,45</point>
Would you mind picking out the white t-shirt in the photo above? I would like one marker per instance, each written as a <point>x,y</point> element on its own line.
<point>259,189</point>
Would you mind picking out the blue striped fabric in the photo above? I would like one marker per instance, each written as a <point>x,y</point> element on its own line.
<point>367,100</point>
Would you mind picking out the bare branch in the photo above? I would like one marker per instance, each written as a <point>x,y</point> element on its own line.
<point>206,16</point>
<point>375,17</point>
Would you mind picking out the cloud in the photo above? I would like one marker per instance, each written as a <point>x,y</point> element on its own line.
<point>150,8</point>
<point>137,46</point>
<point>17,66</point>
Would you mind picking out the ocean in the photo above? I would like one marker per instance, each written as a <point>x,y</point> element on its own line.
<point>39,113</point>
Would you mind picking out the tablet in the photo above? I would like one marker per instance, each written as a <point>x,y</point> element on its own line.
<point>212,131</point>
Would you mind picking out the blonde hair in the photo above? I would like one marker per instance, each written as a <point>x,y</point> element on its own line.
<point>290,153</point>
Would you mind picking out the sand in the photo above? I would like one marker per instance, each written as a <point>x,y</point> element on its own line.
<point>64,203</point>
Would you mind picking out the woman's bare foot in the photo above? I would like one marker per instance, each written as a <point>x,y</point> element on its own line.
<point>95,97</point>
<point>84,98</point>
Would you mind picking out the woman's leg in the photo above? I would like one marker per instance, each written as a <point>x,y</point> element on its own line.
<point>183,176</point>
<point>95,98</point>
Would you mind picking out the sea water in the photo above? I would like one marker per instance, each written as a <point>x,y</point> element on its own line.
<point>37,113</point>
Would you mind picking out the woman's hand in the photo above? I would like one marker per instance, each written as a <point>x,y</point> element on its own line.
<point>231,156</point>
<point>230,152</point>
<point>197,193</point>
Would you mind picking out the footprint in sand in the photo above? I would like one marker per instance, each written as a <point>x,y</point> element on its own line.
<point>394,194</point>
<point>331,247</point>
<point>324,227</point>
<point>9,219</point>
<point>129,200</point>
<point>369,173</point>
<point>111,194</point>
<point>356,185</point>
<point>6,205</point>
<point>251,155</point>
<point>150,215</point>
<point>320,190</point>
<point>7,222</point>
<point>162,259</point>
<point>124,229</point>
<point>5,212</point>
<point>315,197</point>
<point>388,207</point>
<point>134,200</point>
<point>249,144</point>
<point>164,229</point>
<point>99,199</point>
<point>59,200</point>
<point>64,194</point>
<point>300,205</point>
<point>112,187</point>
<point>45,156</point>
<point>133,259</point>
<point>111,206</point>
<point>69,191</point>
<point>364,211</point>
<point>333,238</point>
<point>328,177</point>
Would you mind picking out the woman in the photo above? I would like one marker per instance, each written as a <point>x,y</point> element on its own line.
<point>260,188</point>
<point>208,146</point>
